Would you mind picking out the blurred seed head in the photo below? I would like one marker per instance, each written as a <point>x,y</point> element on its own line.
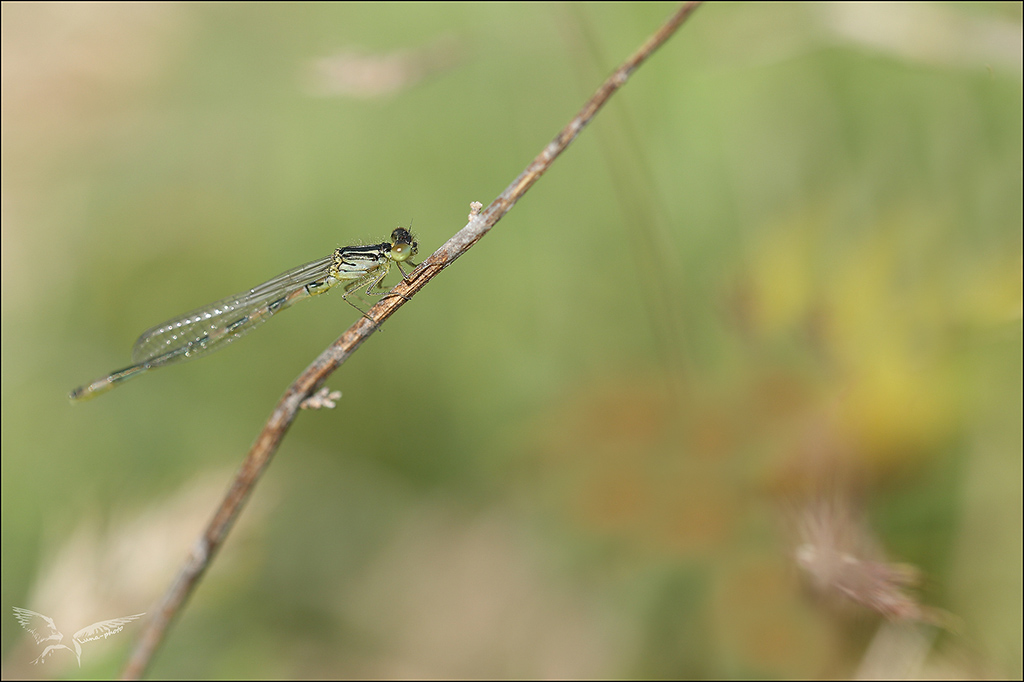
<point>842,560</point>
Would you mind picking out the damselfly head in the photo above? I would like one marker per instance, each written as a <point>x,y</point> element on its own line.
<point>403,247</point>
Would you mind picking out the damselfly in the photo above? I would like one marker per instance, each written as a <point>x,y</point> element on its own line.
<point>214,326</point>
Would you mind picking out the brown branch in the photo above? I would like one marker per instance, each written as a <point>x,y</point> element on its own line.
<point>317,373</point>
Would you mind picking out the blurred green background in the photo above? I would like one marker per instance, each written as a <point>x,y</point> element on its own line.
<point>788,252</point>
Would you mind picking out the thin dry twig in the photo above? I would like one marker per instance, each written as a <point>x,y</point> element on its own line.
<point>311,380</point>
